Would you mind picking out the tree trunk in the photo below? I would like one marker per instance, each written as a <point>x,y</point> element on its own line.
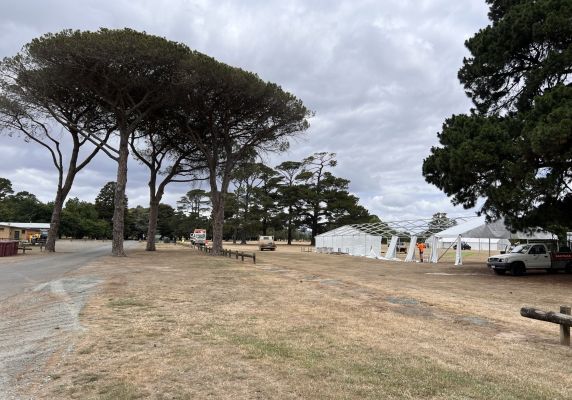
<point>62,192</point>
<point>155,197</point>
<point>289,225</point>
<point>314,227</point>
<point>119,212</point>
<point>217,216</point>
<point>152,229</point>
<point>243,236</point>
<point>55,221</point>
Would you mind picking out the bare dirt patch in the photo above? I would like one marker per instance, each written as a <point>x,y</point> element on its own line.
<point>178,324</point>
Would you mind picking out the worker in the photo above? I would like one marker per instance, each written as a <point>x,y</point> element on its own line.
<point>421,247</point>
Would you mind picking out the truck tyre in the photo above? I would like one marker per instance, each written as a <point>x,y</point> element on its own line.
<point>500,271</point>
<point>518,268</point>
<point>568,268</point>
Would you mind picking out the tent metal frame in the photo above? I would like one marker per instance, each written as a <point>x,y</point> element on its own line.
<point>422,228</point>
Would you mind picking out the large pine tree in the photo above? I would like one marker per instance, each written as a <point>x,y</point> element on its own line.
<point>515,147</point>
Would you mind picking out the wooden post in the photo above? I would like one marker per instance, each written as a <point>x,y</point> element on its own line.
<point>254,258</point>
<point>565,330</point>
<point>242,257</point>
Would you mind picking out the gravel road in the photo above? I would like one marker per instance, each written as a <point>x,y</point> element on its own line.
<point>25,272</point>
<point>40,306</point>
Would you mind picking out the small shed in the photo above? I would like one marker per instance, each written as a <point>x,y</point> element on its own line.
<point>350,240</point>
<point>21,230</point>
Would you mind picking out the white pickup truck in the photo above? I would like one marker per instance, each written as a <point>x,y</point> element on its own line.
<point>530,256</point>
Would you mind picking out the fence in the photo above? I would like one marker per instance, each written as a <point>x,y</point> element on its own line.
<point>562,318</point>
<point>229,253</point>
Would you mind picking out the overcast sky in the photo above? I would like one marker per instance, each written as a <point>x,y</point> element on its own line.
<point>380,75</point>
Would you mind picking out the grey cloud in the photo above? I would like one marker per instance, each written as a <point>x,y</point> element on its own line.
<point>380,75</point>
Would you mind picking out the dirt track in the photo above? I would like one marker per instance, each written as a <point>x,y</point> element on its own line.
<point>39,321</point>
<point>36,324</point>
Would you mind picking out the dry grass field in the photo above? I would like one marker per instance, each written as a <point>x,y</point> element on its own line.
<point>178,324</point>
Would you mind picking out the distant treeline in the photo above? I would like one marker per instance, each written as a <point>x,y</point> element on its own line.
<point>291,201</point>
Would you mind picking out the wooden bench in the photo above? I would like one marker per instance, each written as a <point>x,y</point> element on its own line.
<point>24,246</point>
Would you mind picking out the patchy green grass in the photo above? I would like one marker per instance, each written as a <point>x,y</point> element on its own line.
<point>257,348</point>
<point>118,391</point>
<point>126,303</point>
<point>357,372</point>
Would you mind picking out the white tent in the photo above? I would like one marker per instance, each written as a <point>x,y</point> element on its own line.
<point>350,240</point>
<point>481,235</point>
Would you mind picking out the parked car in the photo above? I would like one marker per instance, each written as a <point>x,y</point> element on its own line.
<point>266,243</point>
<point>464,246</point>
<point>531,256</point>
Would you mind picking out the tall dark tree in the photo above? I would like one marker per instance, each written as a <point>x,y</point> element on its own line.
<point>195,202</point>
<point>138,222</point>
<point>323,201</point>
<point>315,191</point>
<point>267,208</point>
<point>35,100</point>
<point>231,115</point>
<point>165,216</point>
<point>5,188</point>
<point>343,209</point>
<point>192,211</point>
<point>183,224</point>
<point>515,148</point>
<point>165,165</point>
<point>439,222</point>
<point>289,193</point>
<point>80,219</point>
<point>105,203</point>
<point>128,73</point>
<point>247,178</point>
<point>24,207</point>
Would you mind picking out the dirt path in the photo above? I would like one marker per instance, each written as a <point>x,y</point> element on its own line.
<point>25,271</point>
<point>36,324</point>
<point>40,320</point>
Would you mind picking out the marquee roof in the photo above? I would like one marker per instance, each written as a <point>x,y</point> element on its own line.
<point>421,228</point>
<point>467,226</point>
<point>479,228</point>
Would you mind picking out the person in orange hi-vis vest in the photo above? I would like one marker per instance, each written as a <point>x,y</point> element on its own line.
<point>421,247</point>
